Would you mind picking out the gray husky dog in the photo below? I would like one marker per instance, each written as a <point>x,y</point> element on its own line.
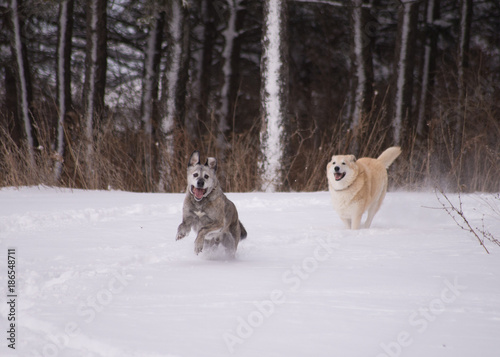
<point>207,210</point>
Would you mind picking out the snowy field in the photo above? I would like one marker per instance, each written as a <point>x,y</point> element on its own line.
<point>100,274</point>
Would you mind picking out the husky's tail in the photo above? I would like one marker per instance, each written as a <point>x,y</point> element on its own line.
<point>389,155</point>
<point>243,231</point>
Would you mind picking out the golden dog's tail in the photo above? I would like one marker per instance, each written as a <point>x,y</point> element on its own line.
<point>389,155</point>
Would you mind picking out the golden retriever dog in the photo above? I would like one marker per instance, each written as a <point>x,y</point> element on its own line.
<point>358,186</point>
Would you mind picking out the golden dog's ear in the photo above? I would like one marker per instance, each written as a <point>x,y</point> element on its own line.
<point>352,158</point>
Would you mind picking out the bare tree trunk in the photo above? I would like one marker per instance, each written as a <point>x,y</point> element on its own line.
<point>362,76</point>
<point>23,78</point>
<point>95,73</point>
<point>210,32</point>
<point>151,75</point>
<point>403,78</point>
<point>181,91</point>
<point>429,63</point>
<point>230,34</point>
<point>63,75</point>
<point>149,99</point>
<point>174,88</point>
<point>194,88</point>
<point>274,95</point>
<point>13,125</point>
<point>463,62</point>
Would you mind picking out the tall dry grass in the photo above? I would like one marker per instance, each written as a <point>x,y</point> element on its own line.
<point>123,159</point>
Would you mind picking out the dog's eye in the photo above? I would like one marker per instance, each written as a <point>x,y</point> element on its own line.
<point>195,175</point>
<point>343,163</point>
<point>206,177</point>
<point>333,163</point>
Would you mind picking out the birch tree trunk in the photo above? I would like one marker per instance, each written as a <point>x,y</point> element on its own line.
<point>174,88</point>
<point>403,77</point>
<point>63,77</point>
<point>23,78</point>
<point>95,73</point>
<point>274,95</point>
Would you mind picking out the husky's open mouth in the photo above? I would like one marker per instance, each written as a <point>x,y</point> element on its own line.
<point>339,175</point>
<point>198,193</point>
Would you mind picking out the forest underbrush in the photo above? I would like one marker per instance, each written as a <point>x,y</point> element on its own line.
<point>124,159</point>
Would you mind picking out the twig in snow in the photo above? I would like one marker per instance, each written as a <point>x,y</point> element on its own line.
<point>463,223</point>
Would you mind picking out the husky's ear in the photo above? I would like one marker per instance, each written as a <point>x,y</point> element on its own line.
<point>212,163</point>
<point>195,158</point>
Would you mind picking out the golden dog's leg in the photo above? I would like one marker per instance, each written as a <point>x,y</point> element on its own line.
<point>347,222</point>
<point>371,213</point>
<point>356,222</point>
<point>373,209</point>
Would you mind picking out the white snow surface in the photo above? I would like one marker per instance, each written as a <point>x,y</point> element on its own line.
<point>99,273</point>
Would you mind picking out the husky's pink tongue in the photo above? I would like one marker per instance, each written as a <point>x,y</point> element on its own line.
<point>199,192</point>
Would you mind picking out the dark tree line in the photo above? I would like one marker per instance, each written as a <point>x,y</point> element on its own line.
<point>353,70</point>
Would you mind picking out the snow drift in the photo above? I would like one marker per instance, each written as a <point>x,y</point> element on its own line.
<point>100,274</point>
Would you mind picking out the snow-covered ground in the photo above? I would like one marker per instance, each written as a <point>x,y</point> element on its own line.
<point>100,274</point>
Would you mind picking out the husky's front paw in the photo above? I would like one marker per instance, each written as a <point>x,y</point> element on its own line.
<point>180,235</point>
<point>182,231</point>
<point>198,247</point>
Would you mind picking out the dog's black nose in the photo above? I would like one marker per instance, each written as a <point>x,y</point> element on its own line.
<point>200,183</point>
<point>336,168</point>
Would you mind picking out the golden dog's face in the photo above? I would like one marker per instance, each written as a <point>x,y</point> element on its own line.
<point>341,171</point>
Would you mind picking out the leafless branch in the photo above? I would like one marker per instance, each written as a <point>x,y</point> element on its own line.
<point>331,3</point>
<point>458,216</point>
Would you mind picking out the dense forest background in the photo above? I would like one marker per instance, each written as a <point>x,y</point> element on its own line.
<point>106,94</point>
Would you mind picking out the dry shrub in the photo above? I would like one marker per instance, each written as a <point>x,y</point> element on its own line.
<point>470,162</point>
<point>123,158</point>
<point>16,167</point>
